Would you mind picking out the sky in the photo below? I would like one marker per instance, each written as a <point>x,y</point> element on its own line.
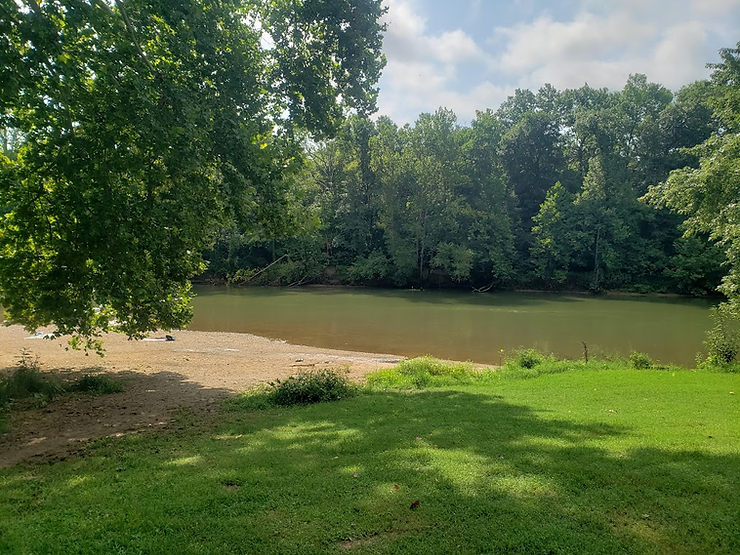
<point>469,55</point>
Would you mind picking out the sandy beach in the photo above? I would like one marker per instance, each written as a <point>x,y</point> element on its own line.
<point>163,380</point>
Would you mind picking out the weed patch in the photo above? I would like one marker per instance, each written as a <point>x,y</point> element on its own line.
<point>27,382</point>
<point>528,358</point>
<point>640,361</point>
<point>32,389</point>
<point>96,384</point>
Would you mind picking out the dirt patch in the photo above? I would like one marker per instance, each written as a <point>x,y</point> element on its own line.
<point>162,380</point>
<point>370,540</point>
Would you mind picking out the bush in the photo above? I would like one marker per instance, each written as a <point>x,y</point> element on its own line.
<point>27,381</point>
<point>310,387</point>
<point>373,269</point>
<point>722,339</point>
<point>528,358</point>
<point>98,385</point>
<point>640,361</point>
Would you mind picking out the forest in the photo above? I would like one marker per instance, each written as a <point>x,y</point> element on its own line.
<point>546,192</point>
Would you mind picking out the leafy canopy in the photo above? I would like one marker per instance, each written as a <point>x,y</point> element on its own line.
<point>140,126</point>
<point>709,195</point>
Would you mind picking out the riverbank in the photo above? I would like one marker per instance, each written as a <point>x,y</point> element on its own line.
<point>163,381</point>
<point>615,293</point>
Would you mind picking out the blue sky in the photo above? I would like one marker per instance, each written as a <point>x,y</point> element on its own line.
<point>469,55</point>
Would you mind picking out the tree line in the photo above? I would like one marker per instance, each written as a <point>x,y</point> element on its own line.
<point>546,192</point>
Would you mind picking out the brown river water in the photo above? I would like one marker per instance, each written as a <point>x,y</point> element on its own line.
<point>460,325</point>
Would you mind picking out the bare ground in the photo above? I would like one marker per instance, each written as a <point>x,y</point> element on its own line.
<point>161,380</point>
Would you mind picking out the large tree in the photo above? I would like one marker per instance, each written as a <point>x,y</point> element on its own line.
<point>145,125</point>
<point>709,194</point>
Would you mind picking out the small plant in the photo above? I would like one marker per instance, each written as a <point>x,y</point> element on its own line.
<point>528,358</point>
<point>27,381</point>
<point>310,387</point>
<point>722,339</point>
<point>640,361</point>
<point>98,385</point>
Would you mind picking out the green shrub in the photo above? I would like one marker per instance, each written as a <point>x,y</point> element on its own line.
<point>98,385</point>
<point>722,339</point>
<point>27,381</point>
<point>310,387</point>
<point>373,268</point>
<point>640,361</point>
<point>528,358</point>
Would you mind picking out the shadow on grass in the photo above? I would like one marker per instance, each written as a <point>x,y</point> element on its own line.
<point>51,429</point>
<point>430,472</point>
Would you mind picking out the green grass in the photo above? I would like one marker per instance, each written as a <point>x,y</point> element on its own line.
<point>428,372</point>
<point>420,373</point>
<point>596,460</point>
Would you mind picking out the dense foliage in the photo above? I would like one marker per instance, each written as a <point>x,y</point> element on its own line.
<point>134,129</point>
<point>707,193</point>
<point>545,192</point>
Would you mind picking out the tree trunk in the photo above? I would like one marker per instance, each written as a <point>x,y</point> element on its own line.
<point>596,260</point>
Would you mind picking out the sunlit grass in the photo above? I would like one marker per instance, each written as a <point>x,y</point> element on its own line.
<point>423,372</point>
<point>602,460</point>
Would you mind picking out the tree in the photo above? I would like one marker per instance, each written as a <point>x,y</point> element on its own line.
<point>709,195</point>
<point>489,232</point>
<point>146,126</point>
<point>555,235</point>
<point>533,159</point>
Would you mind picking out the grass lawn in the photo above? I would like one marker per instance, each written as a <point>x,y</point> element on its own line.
<point>586,461</point>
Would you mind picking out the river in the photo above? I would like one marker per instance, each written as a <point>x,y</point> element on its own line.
<point>460,326</point>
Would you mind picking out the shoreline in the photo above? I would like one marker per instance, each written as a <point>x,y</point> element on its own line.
<point>578,292</point>
<point>164,382</point>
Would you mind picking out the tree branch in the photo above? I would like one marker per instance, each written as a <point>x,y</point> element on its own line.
<point>129,28</point>
<point>132,32</point>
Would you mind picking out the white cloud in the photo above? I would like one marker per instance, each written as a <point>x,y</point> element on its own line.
<point>681,51</point>
<point>407,38</point>
<point>422,67</point>
<point>455,46</point>
<point>532,45</point>
<point>715,7</point>
<point>597,42</point>
<point>666,41</point>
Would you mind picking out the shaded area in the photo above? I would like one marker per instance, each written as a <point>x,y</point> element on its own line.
<point>161,378</point>
<point>490,476</point>
<point>53,430</point>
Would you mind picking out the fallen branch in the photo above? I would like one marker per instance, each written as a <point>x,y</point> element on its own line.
<point>299,282</point>
<point>250,278</point>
